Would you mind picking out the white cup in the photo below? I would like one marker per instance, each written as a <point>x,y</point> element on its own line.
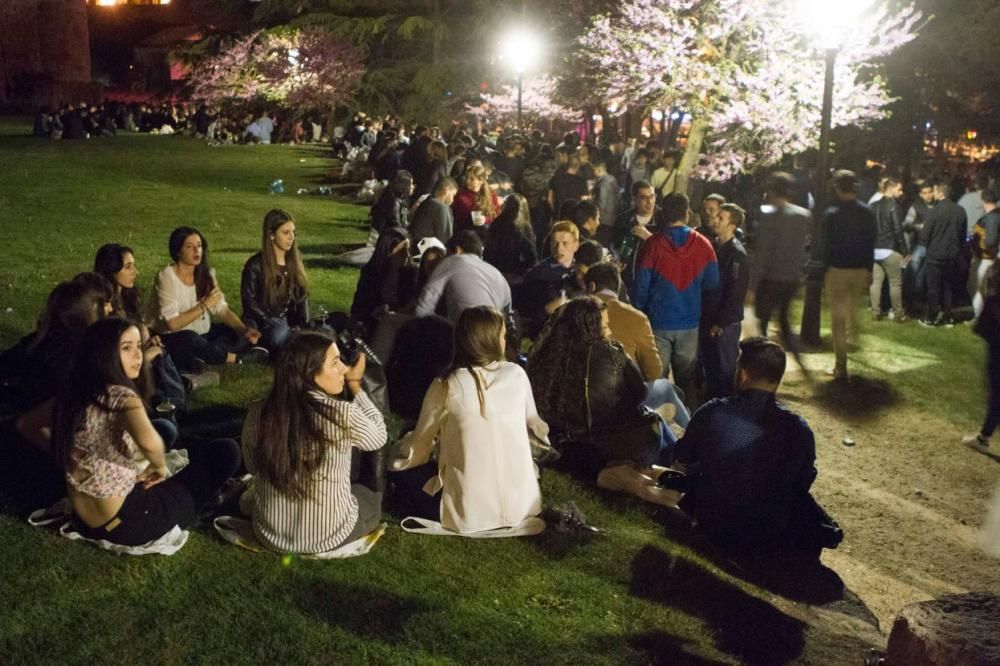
<point>478,218</point>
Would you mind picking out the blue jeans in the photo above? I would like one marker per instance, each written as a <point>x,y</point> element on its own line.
<point>679,351</point>
<point>274,333</point>
<point>661,391</point>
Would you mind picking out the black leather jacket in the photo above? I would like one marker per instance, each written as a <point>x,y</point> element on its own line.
<point>255,309</point>
<point>889,222</point>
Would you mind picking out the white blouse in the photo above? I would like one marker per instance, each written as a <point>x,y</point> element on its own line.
<point>485,471</point>
<point>174,297</point>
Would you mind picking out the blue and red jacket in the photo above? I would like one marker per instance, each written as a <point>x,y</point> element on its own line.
<point>675,267</point>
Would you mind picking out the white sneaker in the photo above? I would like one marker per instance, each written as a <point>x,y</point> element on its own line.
<point>977,443</point>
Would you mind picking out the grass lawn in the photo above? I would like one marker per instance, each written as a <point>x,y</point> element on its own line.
<point>647,591</point>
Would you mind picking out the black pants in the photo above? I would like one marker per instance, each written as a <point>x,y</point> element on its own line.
<point>775,297</point>
<point>719,357</point>
<point>944,282</point>
<point>408,493</point>
<point>993,404</point>
<point>212,347</point>
<point>147,515</point>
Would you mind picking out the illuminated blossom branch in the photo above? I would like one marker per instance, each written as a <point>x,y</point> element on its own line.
<point>536,103</point>
<point>742,70</point>
<point>307,68</point>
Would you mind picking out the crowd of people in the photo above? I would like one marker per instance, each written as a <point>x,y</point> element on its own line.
<point>524,305</point>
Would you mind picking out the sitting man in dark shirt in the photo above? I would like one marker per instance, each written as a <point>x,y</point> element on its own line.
<point>750,465</point>
<point>547,285</point>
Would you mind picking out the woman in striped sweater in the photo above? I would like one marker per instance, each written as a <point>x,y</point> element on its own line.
<point>298,443</point>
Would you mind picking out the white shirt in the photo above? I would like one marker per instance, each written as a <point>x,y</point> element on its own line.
<point>174,297</point>
<point>485,471</point>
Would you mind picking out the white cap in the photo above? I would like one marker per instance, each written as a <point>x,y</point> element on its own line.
<point>427,243</point>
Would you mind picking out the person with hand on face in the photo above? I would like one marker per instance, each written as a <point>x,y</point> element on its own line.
<point>187,297</point>
<point>113,457</point>
<point>298,442</point>
<point>550,281</point>
<point>273,288</point>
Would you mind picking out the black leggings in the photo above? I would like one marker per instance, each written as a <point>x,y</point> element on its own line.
<point>147,515</point>
<point>212,347</point>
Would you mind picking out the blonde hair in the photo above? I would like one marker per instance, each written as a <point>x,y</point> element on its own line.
<point>484,199</point>
<point>565,227</point>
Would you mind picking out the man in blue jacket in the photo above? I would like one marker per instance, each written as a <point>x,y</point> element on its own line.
<point>675,266</point>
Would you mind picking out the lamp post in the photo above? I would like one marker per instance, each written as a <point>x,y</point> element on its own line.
<point>521,50</point>
<point>829,24</point>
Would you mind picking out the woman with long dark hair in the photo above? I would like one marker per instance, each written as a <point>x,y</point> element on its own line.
<point>510,242</point>
<point>476,204</point>
<point>434,169</point>
<point>480,413</point>
<point>299,441</point>
<point>382,283</point>
<point>393,206</point>
<point>187,297</point>
<point>273,288</point>
<point>591,392</point>
<point>113,457</point>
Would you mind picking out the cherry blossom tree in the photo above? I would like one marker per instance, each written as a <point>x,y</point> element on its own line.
<point>537,103</point>
<point>743,70</point>
<point>299,68</point>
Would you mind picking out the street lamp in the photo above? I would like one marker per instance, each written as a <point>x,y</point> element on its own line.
<point>520,49</point>
<point>829,25</point>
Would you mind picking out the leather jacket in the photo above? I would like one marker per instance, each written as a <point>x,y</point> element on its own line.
<point>255,308</point>
<point>889,224</point>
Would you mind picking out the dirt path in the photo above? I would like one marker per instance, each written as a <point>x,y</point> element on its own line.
<point>910,498</point>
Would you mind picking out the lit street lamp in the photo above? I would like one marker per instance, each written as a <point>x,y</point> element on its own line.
<point>521,50</point>
<point>829,25</point>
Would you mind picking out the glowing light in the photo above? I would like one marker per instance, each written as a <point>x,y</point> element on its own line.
<point>108,3</point>
<point>830,22</point>
<point>293,57</point>
<point>971,135</point>
<point>521,50</point>
<point>657,115</point>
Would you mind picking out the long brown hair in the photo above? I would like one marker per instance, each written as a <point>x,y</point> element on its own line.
<point>277,290</point>
<point>203,282</point>
<point>484,197</point>
<point>478,342</point>
<point>555,367</point>
<point>292,444</point>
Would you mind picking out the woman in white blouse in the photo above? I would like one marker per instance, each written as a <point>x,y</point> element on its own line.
<point>479,416</point>
<point>187,297</point>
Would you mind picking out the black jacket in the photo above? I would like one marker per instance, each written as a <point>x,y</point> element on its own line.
<point>255,309</point>
<point>944,231</point>
<point>724,305</point>
<point>889,222</point>
<point>849,236</point>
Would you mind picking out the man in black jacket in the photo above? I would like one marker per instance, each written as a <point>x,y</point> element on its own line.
<point>890,250</point>
<point>722,314</point>
<point>943,235</point>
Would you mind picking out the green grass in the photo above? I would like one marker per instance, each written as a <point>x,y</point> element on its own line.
<point>646,591</point>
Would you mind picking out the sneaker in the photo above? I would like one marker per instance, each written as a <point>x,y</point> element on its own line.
<point>876,316</point>
<point>948,322</point>
<point>901,319</point>
<point>928,323</point>
<point>198,366</point>
<point>254,355</point>
<point>193,382</point>
<point>977,442</point>
<point>837,373</point>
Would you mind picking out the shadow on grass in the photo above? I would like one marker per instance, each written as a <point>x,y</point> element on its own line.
<point>663,648</point>
<point>212,422</point>
<point>858,399</point>
<point>989,454</point>
<point>743,625</point>
<point>363,610</point>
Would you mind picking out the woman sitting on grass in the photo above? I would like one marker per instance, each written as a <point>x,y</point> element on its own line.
<point>480,413</point>
<point>187,296</point>
<point>273,288</point>
<point>113,457</point>
<point>116,263</point>
<point>298,442</point>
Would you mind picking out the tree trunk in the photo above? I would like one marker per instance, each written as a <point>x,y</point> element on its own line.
<point>696,138</point>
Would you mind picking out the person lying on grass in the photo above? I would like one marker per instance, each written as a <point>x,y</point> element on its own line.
<point>480,414</point>
<point>187,296</point>
<point>113,457</point>
<point>273,288</point>
<point>298,442</point>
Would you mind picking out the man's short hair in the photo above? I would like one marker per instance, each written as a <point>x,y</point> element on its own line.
<point>781,184</point>
<point>590,253</point>
<point>599,161</point>
<point>573,162</point>
<point>444,184</point>
<point>584,211</point>
<point>566,227</point>
<point>715,197</point>
<point>845,181</point>
<point>989,196</point>
<point>736,214</point>
<point>468,240</point>
<point>640,185</point>
<point>889,183</point>
<point>604,276</point>
<point>762,360</point>
<point>675,207</point>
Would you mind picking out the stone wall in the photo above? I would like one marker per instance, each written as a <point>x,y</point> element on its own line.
<point>44,52</point>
